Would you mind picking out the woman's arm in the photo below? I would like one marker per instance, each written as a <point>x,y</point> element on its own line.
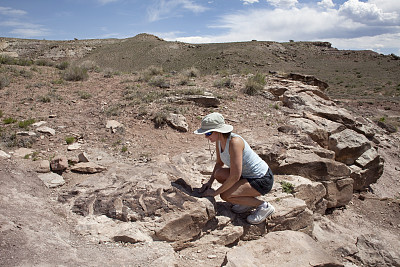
<point>236,147</point>
<point>218,164</point>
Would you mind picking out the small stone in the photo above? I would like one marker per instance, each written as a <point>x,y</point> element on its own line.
<point>211,256</point>
<point>88,167</point>
<point>47,130</point>
<point>4,155</point>
<point>74,146</point>
<point>43,166</point>
<point>38,124</point>
<point>51,179</point>
<point>59,163</point>
<point>83,157</point>
<point>22,152</point>
<point>24,133</point>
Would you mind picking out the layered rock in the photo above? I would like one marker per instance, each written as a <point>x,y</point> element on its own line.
<point>285,248</point>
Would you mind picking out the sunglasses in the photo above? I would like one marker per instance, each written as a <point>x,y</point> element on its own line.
<point>208,134</point>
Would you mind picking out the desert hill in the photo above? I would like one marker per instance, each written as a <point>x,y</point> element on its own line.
<point>99,164</point>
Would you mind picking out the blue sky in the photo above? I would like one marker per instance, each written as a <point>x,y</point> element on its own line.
<point>347,24</point>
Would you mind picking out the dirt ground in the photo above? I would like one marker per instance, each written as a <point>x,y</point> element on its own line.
<point>81,109</point>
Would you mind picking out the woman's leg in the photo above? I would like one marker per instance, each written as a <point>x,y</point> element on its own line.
<point>221,174</point>
<point>242,193</point>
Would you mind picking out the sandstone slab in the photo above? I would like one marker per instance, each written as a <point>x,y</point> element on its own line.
<point>280,249</point>
<point>51,179</point>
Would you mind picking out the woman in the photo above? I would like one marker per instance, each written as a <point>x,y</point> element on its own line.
<point>247,175</point>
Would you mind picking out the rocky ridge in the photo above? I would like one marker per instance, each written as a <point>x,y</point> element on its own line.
<point>327,156</point>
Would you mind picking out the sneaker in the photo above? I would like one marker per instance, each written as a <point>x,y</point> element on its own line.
<point>240,208</point>
<point>260,214</point>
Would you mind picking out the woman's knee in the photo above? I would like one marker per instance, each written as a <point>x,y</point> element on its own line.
<point>221,174</point>
<point>225,196</point>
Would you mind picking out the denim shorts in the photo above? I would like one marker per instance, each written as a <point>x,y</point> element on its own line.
<point>263,184</point>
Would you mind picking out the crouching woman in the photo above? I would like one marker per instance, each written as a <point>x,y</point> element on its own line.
<point>246,176</point>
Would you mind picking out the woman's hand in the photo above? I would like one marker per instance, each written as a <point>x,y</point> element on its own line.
<point>205,187</point>
<point>209,193</point>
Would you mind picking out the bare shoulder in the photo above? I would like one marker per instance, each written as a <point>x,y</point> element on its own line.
<point>236,142</point>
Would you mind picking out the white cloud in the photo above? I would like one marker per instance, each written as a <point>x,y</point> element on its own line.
<point>104,2</point>
<point>387,5</point>
<point>246,2</point>
<point>24,29</point>
<point>326,4</point>
<point>280,24</point>
<point>380,43</point>
<point>354,25</point>
<point>29,32</point>
<point>8,11</point>
<point>169,8</point>
<point>367,13</point>
<point>283,3</point>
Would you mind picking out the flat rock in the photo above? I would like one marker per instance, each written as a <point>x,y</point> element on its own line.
<point>348,145</point>
<point>4,155</point>
<point>74,146</point>
<point>39,123</point>
<point>88,167</point>
<point>280,249</point>
<point>59,163</point>
<point>178,122</point>
<point>82,157</point>
<point>43,166</point>
<point>51,179</point>
<point>46,130</point>
<point>113,125</point>
<point>25,133</point>
<point>22,152</point>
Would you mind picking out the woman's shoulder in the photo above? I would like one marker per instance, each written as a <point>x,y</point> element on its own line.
<point>236,141</point>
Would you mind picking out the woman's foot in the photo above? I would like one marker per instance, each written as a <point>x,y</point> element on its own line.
<point>261,213</point>
<point>240,208</point>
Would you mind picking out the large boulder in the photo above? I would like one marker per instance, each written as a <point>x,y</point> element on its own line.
<point>317,105</point>
<point>59,163</point>
<point>367,169</point>
<point>280,249</point>
<point>311,192</point>
<point>311,166</point>
<point>348,145</point>
<point>338,193</point>
<point>178,121</point>
<point>291,214</point>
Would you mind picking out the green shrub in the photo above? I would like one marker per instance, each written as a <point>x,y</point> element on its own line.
<point>224,82</point>
<point>151,71</point>
<point>84,95</point>
<point>26,123</point>
<point>287,187</point>
<point>7,60</point>
<point>9,120</point>
<point>75,73</point>
<point>255,84</point>
<point>25,74</point>
<point>89,66</point>
<point>62,65</point>
<point>59,81</point>
<point>1,113</point>
<point>43,62</point>
<point>160,119</point>
<point>159,81</point>
<point>191,73</point>
<point>4,81</point>
<point>45,99</point>
<point>69,140</point>
<point>113,110</point>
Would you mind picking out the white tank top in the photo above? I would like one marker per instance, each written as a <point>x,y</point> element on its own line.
<point>252,165</point>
